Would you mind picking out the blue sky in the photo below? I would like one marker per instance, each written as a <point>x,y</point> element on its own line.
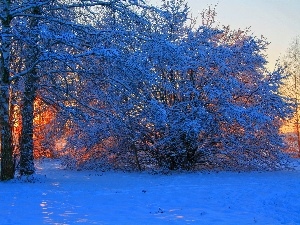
<point>277,20</point>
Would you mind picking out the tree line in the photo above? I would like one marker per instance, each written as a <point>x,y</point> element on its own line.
<point>134,86</point>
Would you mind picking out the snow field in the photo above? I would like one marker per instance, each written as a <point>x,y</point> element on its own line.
<point>58,196</point>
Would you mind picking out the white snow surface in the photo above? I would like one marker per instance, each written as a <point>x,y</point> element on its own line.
<point>59,196</point>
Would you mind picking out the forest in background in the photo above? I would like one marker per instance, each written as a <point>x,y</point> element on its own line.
<point>117,84</point>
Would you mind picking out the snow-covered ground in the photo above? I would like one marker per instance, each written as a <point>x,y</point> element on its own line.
<point>58,196</point>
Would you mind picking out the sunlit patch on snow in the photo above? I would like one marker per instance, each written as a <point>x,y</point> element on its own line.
<point>43,204</point>
<point>82,221</point>
<point>66,213</point>
<point>45,211</point>
<point>55,184</point>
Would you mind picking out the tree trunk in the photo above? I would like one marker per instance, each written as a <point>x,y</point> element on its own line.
<point>298,133</point>
<point>136,158</point>
<point>296,88</point>
<point>31,81</point>
<point>7,162</point>
<point>297,118</point>
<point>26,145</point>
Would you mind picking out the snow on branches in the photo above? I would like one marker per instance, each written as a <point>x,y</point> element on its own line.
<point>137,87</point>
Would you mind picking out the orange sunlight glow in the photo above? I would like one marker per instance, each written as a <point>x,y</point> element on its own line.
<point>44,115</point>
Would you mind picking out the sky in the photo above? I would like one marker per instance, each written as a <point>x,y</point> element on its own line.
<point>277,20</point>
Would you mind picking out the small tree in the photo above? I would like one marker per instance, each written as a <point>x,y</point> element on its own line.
<point>291,87</point>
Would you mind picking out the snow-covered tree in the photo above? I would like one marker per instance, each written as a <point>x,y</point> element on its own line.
<point>222,107</point>
<point>174,97</point>
<point>113,94</point>
<point>55,34</point>
<point>291,88</point>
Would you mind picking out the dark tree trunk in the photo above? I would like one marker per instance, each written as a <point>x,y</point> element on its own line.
<point>7,162</point>
<point>136,158</point>
<point>297,114</point>
<point>31,82</point>
<point>26,145</point>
